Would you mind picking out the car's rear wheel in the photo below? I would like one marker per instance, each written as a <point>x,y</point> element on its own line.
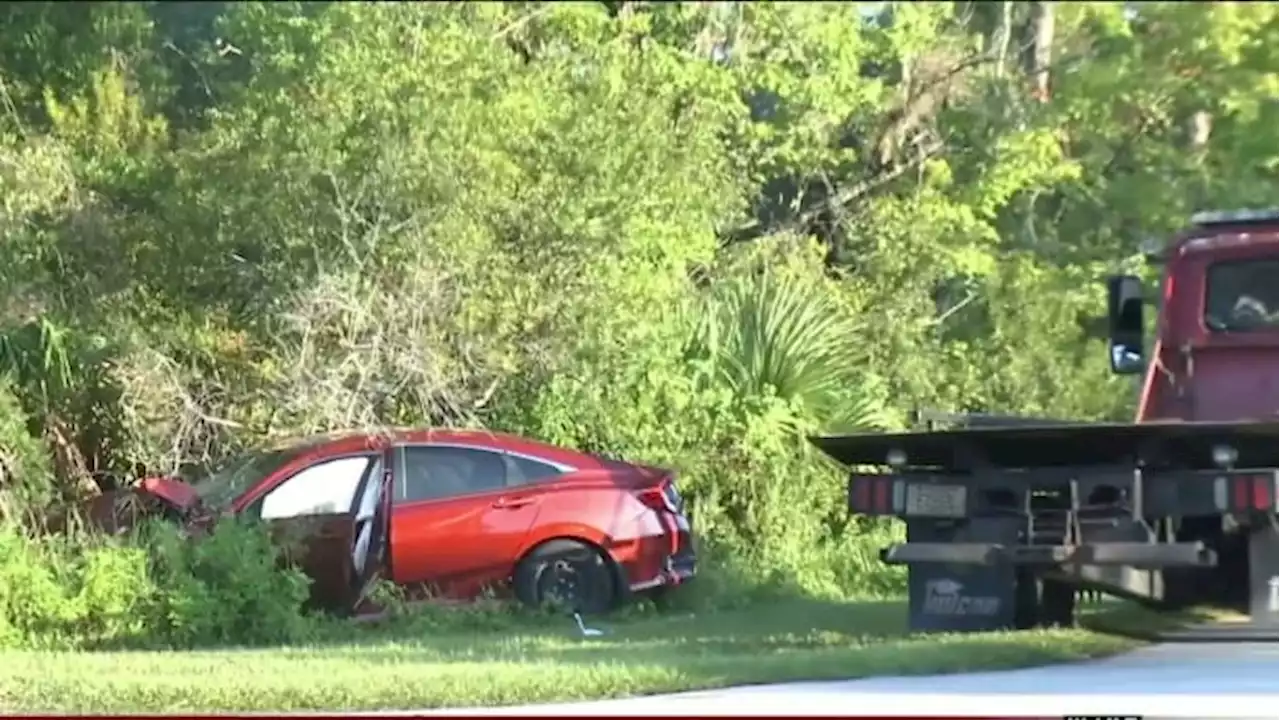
<point>567,576</point>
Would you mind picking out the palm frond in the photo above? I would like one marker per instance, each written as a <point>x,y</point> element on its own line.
<point>764,335</point>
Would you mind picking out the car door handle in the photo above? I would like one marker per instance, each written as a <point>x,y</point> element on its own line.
<point>511,503</point>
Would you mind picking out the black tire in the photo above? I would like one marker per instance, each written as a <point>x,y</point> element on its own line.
<point>568,576</point>
<point>1026,612</point>
<point>1184,588</point>
<point>1057,604</point>
<point>1043,603</point>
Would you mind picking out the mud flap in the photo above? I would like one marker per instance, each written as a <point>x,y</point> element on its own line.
<point>1264,562</point>
<point>955,597</point>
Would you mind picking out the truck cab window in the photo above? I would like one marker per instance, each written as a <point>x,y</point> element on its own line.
<point>1240,296</point>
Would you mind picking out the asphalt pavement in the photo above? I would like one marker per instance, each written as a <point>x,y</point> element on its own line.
<point>1202,680</point>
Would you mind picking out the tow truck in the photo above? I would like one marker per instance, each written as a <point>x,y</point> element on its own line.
<point>1009,518</point>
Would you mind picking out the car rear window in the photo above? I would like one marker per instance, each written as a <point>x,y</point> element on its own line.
<point>527,470</point>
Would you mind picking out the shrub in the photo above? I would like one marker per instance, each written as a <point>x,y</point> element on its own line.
<point>227,587</point>
<point>147,588</point>
<point>72,590</point>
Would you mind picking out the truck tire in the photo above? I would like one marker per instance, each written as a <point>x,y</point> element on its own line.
<point>1057,604</point>
<point>1043,603</point>
<point>1026,610</point>
<point>1183,587</point>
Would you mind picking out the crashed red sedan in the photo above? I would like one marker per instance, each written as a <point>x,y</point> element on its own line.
<point>450,514</point>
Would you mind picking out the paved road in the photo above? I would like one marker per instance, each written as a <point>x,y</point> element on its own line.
<point>1204,680</point>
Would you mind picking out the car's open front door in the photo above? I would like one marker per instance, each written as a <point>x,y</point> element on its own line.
<point>342,553</point>
<point>371,530</point>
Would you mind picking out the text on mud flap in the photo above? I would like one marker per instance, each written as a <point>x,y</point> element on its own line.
<point>945,597</point>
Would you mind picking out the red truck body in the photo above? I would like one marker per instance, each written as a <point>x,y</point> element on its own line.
<point>1201,369</point>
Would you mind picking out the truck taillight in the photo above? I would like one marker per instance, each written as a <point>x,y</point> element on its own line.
<point>870,494</point>
<point>1242,493</point>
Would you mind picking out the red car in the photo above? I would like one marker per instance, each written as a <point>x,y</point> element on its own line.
<point>451,513</point>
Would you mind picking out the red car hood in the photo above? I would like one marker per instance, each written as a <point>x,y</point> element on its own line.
<point>172,490</point>
<point>111,512</point>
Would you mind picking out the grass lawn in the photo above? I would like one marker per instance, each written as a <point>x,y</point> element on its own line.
<point>399,667</point>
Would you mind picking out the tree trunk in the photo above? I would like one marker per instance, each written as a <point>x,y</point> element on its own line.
<point>1041,55</point>
<point>999,42</point>
<point>1199,127</point>
<point>714,40</point>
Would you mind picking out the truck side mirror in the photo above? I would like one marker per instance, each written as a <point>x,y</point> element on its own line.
<point>1125,324</point>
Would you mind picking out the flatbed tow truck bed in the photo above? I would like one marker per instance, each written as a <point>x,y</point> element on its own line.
<point>1009,518</point>
<point>1060,444</point>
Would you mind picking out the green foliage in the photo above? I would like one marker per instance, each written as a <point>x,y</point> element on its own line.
<point>225,588</point>
<point>25,477</point>
<point>150,588</point>
<point>777,339</point>
<point>688,234</point>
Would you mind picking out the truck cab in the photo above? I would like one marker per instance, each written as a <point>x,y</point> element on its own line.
<point>1215,351</point>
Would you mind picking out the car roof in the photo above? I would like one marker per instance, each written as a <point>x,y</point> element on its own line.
<point>344,441</point>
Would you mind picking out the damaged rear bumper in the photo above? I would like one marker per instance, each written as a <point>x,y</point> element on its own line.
<point>676,569</point>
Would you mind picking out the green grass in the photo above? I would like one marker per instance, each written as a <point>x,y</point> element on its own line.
<point>400,667</point>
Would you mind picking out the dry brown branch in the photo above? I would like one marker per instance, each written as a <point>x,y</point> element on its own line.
<point>362,350</point>
<point>176,412</point>
<point>839,200</point>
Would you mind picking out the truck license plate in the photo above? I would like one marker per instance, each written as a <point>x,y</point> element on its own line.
<point>936,500</point>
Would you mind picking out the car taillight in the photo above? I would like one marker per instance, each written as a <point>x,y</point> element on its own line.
<point>664,498</point>
<point>674,501</point>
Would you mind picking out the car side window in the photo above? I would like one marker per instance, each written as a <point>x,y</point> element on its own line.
<point>525,470</point>
<point>321,489</point>
<point>432,472</point>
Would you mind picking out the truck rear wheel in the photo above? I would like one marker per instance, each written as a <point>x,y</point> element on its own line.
<point>1225,585</point>
<point>1043,603</point>
<point>1026,595</point>
<point>1057,604</point>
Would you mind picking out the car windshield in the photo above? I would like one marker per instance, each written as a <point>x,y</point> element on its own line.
<point>1240,296</point>
<point>235,476</point>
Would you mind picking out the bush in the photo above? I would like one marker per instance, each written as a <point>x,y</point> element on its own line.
<point>148,588</point>
<point>225,588</point>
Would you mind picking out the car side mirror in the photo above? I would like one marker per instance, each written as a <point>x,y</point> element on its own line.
<point>1125,324</point>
